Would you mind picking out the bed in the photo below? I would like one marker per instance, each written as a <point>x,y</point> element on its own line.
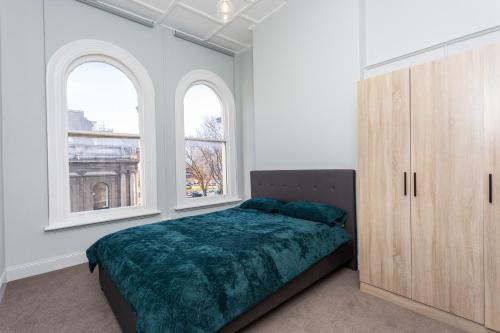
<point>219,272</point>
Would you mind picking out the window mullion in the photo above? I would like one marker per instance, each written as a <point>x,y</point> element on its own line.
<point>93,134</point>
<point>204,140</point>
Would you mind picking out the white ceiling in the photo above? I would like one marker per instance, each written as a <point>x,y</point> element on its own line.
<point>199,18</point>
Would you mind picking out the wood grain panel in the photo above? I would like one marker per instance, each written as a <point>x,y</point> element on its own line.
<point>491,57</point>
<point>384,155</point>
<point>447,213</point>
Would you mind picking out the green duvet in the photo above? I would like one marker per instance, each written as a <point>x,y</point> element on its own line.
<point>196,274</point>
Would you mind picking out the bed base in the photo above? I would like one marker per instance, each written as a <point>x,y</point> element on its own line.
<point>334,187</point>
<point>338,259</point>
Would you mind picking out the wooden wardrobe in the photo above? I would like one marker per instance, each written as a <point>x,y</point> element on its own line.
<point>429,176</point>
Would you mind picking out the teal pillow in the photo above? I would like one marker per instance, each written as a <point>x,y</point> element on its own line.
<point>314,211</point>
<point>266,204</point>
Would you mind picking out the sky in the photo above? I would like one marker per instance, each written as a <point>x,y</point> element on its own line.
<point>107,95</point>
<point>200,103</point>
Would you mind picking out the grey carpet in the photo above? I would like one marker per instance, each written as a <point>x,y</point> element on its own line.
<point>70,300</point>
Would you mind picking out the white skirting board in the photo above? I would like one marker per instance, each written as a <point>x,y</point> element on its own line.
<point>44,266</point>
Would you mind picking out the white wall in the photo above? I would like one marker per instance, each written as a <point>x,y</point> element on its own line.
<point>245,93</point>
<point>2,227</point>
<point>306,64</point>
<point>421,31</point>
<point>26,49</point>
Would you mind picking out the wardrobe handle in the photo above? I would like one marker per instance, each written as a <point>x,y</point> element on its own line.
<point>490,188</point>
<point>414,184</point>
<point>405,189</point>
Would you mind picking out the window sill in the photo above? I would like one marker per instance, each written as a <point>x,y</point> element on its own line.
<point>86,221</point>
<point>206,204</point>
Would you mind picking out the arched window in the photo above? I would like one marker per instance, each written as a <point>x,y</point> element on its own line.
<point>101,130</point>
<point>206,154</point>
<point>103,134</point>
<point>100,192</point>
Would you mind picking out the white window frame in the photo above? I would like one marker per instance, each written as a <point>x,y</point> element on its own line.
<point>59,67</point>
<point>226,97</point>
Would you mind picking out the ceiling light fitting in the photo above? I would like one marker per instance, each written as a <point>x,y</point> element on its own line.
<point>225,10</point>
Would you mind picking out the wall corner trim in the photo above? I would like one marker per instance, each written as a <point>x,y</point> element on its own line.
<point>3,284</point>
<point>44,266</point>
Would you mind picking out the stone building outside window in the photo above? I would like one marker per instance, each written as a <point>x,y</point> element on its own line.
<point>111,162</point>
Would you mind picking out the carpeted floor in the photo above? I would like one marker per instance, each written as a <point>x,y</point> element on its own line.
<point>70,300</point>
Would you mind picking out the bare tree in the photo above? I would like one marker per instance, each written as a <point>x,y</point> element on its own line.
<point>213,157</point>
<point>205,160</point>
<point>195,162</point>
<point>212,129</point>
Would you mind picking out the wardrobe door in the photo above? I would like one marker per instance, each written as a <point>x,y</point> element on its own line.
<point>492,193</point>
<point>447,198</point>
<point>384,159</point>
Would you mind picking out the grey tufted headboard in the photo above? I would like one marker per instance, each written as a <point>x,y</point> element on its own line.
<point>335,187</point>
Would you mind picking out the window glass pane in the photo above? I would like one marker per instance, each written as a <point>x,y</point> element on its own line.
<point>97,163</point>
<point>104,166</point>
<point>204,169</point>
<point>202,113</point>
<point>101,98</point>
<point>101,196</point>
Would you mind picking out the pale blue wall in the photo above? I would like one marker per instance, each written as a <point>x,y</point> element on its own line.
<point>245,96</point>
<point>26,50</point>
<point>2,233</point>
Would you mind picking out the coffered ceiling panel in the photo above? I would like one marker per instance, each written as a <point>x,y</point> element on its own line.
<point>238,29</point>
<point>162,5</point>
<point>264,8</point>
<point>190,22</point>
<point>198,18</point>
<point>210,6</point>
